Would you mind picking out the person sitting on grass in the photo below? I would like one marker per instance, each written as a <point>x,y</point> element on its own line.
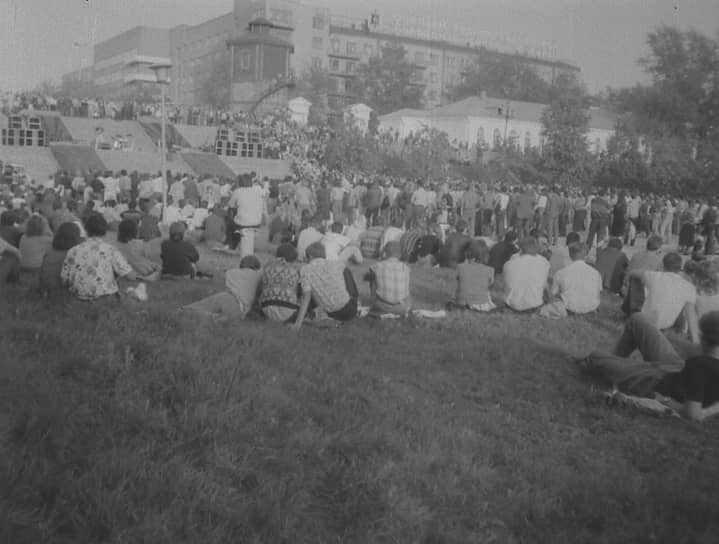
<point>242,287</point>
<point>67,236</point>
<point>577,287</point>
<point>393,233</point>
<point>179,257</point>
<point>279,294</point>
<point>327,285</point>
<point>454,247</point>
<point>430,245</point>
<point>389,282</point>
<point>410,242</point>
<point>136,252</point>
<point>34,244</point>
<point>474,279</point>
<point>692,385</point>
<point>649,259</point>
<point>338,247</point>
<point>91,268</point>
<point>502,251</point>
<point>8,229</point>
<point>612,265</point>
<point>525,277</point>
<point>308,235</point>
<point>560,254</point>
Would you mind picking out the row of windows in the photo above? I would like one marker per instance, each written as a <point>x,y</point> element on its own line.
<point>336,66</point>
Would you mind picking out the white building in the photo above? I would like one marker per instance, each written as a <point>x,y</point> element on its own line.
<point>490,121</point>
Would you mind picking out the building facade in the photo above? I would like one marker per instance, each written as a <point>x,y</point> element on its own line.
<point>320,39</point>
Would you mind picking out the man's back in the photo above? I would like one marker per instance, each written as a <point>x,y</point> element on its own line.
<point>666,295</point>
<point>452,251</point>
<point>611,264</point>
<point>525,278</point>
<point>500,253</point>
<point>579,286</point>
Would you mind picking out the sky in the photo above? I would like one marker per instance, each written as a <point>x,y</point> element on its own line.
<point>43,39</point>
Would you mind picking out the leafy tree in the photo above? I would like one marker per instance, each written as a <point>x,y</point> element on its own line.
<point>565,121</point>
<point>510,79</point>
<point>216,88</point>
<point>316,85</point>
<point>386,82</point>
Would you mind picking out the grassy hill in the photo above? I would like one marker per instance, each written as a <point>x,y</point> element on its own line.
<point>131,422</point>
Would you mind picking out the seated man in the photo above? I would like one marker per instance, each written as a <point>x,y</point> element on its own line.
<point>329,285</point>
<point>666,294</point>
<point>612,264</point>
<point>502,251</point>
<point>279,295</point>
<point>474,279</point>
<point>179,257</point>
<point>692,386</point>
<point>409,244</point>
<point>215,232</point>
<point>308,236</point>
<point>577,286</point>
<point>452,252</point>
<point>242,286</point>
<point>338,247</point>
<point>560,255</point>
<point>389,283</point>
<point>393,233</point>
<point>650,259</point>
<point>525,277</point>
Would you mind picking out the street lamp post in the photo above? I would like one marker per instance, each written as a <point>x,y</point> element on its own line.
<point>162,76</point>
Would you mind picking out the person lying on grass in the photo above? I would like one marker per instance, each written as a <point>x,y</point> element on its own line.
<point>242,287</point>
<point>327,286</point>
<point>474,279</point>
<point>691,386</point>
<point>389,282</point>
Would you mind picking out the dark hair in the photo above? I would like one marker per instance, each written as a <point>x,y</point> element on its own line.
<point>35,226</point>
<point>461,225</point>
<point>95,225</point>
<point>529,245</point>
<point>478,251</point>
<point>510,237</point>
<point>573,238</point>
<point>127,230</point>
<point>67,236</point>
<point>337,227</point>
<point>654,242</point>
<point>615,243</point>
<point>672,262</point>
<point>315,251</point>
<point>7,218</point>
<point>251,262</point>
<point>288,252</point>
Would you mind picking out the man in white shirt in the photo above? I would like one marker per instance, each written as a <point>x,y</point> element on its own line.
<point>578,286</point>
<point>667,294</point>
<point>525,277</point>
<point>307,237</point>
<point>338,246</point>
<point>173,213</point>
<point>247,200</point>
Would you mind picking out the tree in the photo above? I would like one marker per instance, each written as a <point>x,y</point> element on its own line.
<point>216,88</point>
<point>565,121</point>
<point>316,85</point>
<point>502,78</point>
<point>387,82</point>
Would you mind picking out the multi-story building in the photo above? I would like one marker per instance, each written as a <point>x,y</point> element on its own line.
<point>320,39</point>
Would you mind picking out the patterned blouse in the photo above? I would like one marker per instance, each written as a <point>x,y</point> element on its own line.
<point>279,284</point>
<point>90,269</point>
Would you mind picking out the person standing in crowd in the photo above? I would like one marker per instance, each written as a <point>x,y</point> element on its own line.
<point>247,200</point>
<point>579,212</point>
<point>612,265</point>
<point>469,207</point>
<point>619,216</point>
<point>600,212</point>
<point>524,211</point>
<point>552,210</point>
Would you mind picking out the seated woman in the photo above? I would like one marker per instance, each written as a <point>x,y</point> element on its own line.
<point>34,243</point>
<point>279,295</point>
<point>91,268</point>
<point>692,386</point>
<point>136,251</point>
<point>67,236</point>
<point>474,279</point>
<point>242,286</point>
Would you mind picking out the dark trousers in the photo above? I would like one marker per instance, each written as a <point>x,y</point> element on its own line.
<point>9,268</point>
<point>596,228</point>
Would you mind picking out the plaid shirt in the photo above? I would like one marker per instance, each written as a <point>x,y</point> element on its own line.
<point>325,279</point>
<point>392,279</point>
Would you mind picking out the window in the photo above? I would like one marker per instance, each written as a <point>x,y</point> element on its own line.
<point>513,139</point>
<point>351,48</point>
<point>451,61</point>
<point>432,96</point>
<point>480,135</point>
<point>316,42</point>
<point>497,138</point>
<point>527,142</point>
<point>334,64</point>
<point>434,59</point>
<point>335,46</point>
<point>368,50</point>
<point>433,77</point>
<point>245,61</point>
<point>316,62</point>
<point>318,22</point>
<point>350,67</point>
<point>419,57</point>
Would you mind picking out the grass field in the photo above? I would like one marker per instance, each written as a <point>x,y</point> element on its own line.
<point>133,424</point>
